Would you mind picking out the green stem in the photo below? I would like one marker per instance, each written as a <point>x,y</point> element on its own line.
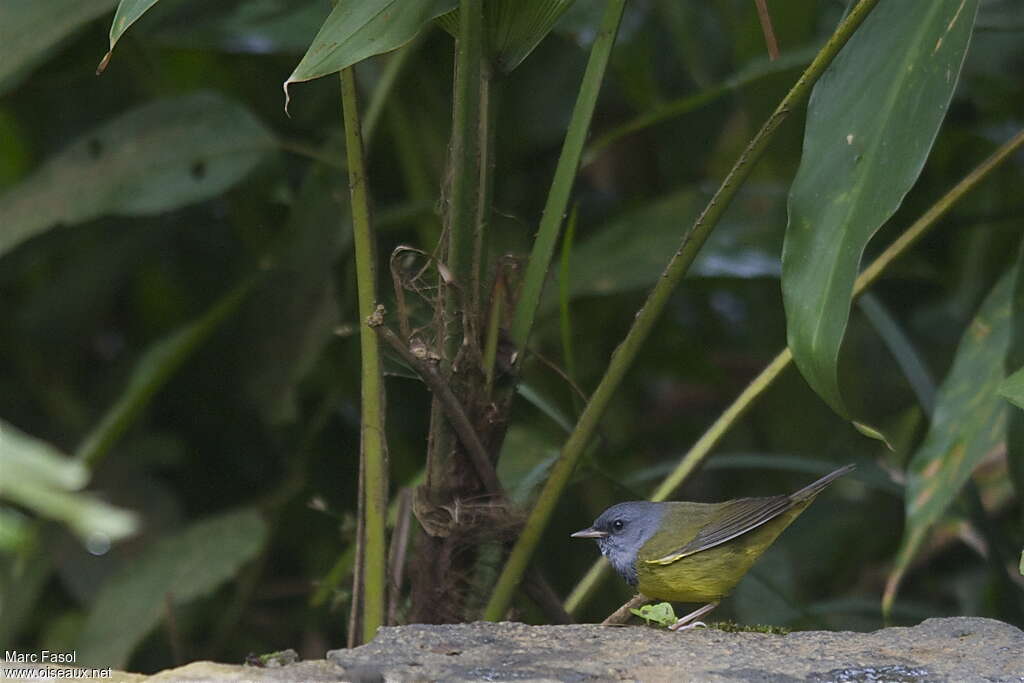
<point>465,174</point>
<point>458,317</point>
<point>489,100</point>
<point>565,174</point>
<point>310,152</point>
<point>564,310</point>
<point>491,334</point>
<point>372,445</point>
<point>624,355</point>
<point>702,448</point>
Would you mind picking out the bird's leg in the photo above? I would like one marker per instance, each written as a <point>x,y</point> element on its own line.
<point>690,620</point>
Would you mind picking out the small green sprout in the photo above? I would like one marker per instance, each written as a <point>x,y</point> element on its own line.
<point>661,614</point>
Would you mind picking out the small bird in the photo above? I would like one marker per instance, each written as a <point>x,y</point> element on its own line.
<point>695,552</point>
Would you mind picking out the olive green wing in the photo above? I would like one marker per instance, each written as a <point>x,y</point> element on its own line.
<point>732,519</point>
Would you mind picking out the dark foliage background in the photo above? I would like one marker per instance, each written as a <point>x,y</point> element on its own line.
<point>264,414</point>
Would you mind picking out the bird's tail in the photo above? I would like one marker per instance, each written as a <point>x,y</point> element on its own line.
<point>811,490</point>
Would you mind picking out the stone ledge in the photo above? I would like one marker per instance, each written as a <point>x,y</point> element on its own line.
<point>956,650</point>
<point>953,650</point>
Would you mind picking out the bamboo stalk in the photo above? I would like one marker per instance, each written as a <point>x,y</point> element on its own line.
<point>373,448</point>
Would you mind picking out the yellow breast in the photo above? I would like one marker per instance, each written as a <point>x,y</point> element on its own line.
<point>709,574</point>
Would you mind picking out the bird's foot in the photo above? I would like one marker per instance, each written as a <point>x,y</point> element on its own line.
<point>690,620</point>
<point>687,627</point>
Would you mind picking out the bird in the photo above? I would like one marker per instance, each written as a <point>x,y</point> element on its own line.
<point>695,552</point>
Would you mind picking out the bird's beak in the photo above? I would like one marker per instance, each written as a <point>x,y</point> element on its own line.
<point>589,533</point>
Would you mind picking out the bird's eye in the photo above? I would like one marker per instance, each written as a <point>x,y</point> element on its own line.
<point>617,525</point>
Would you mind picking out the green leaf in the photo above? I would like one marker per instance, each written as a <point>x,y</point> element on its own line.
<point>14,529</point>
<point>39,478</point>
<point>31,29</point>
<point>37,459</point>
<point>872,119</point>
<point>1012,388</point>
<point>358,29</point>
<point>172,571</point>
<point>526,458</point>
<point>157,365</point>
<point>248,27</point>
<point>969,422</point>
<point>545,405</point>
<point>514,27</point>
<point>293,313</point>
<point>612,260</point>
<point>128,12</point>
<point>155,158</point>
<point>661,614</point>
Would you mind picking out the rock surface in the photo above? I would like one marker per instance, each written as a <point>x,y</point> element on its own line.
<point>955,650</point>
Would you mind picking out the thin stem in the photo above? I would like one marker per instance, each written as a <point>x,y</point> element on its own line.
<point>622,614</point>
<point>565,174</point>
<point>935,212</point>
<point>685,105</point>
<point>450,404</point>
<point>565,311</point>
<point>624,356</point>
<point>372,446</point>
<point>489,100</point>
<point>702,448</point>
<point>492,332</point>
<point>310,152</point>
<point>766,27</point>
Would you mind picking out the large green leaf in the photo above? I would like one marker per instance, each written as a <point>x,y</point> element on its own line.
<point>158,157</point>
<point>357,29</point>
<point>38,477</point>
<point>872,119</point>
<point>969,422</point>
<point>172,571</point>
<point>30,29</point>
<point>628,252</point>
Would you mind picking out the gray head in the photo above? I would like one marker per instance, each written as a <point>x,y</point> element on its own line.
<point>621,531</point>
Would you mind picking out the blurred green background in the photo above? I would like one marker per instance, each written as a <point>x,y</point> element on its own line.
<point>246,460</point>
